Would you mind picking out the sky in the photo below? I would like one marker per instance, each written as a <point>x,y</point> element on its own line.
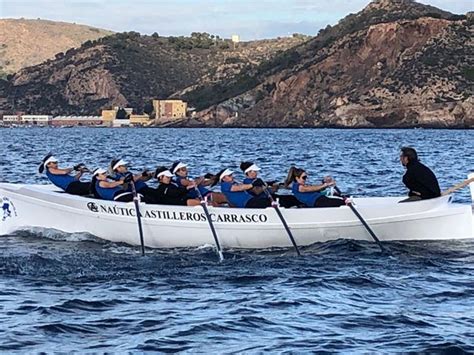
<point>250,19</point>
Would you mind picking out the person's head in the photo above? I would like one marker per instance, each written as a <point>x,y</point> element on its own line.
<point>296,175</point>
<point>46,162</point>
<point>51,162</point>
<point>250,169</point>
<point>408,155</point>
<point>180,169</point>
<point>163,175</point>
<point>119,166</point>
<point>99,174</point>
<point>226,175</point>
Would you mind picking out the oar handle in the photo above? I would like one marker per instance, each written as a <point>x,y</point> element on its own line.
<point>457,187</point>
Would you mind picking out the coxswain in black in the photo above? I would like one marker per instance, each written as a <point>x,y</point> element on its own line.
<point>419,179</point>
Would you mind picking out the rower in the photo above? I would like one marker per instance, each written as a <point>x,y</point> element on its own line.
<point>61,176</point>
<point>169,193</point>
<point>182,178</point>
<point>311,195</point>
<point>111,190</point>
<point>251,173</point>
<point>118,169</point>
<point>238,194</point>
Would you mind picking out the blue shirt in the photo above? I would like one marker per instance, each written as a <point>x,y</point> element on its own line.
<point>106,193</point>
<point>191,193</point>
<point>308,198</point>
<point>139,184</point>
<point>60,180</point>
<point>235,198</point>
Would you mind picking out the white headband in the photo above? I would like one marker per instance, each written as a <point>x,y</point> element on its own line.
<point>179,166</point>
<point>225,173</point>
<point>119,163</point>
<point>252,167</point>
<point>165,173</point>
<point>51,159</point>
<point>99,171</point>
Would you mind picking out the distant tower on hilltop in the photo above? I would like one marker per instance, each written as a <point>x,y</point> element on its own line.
<point>235,39</point>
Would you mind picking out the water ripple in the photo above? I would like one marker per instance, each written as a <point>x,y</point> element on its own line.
<point>77,293</point>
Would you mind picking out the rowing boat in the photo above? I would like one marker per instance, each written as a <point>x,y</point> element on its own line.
<point>164,226</point>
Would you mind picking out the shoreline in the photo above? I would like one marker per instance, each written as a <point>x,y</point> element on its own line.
<point>249,128</point>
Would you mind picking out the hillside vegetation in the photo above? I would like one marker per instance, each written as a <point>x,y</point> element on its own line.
<point>24,43</point>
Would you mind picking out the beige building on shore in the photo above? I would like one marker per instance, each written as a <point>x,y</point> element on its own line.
<point>140,120</point>
<point>169,109</point>
<point>108,116</point>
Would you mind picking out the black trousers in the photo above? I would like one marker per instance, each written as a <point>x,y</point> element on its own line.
<point>287,201</point>
<point>149,194</point>
<point>123,196</point>
<point>79,188</point>
<point>324,201</point>
<point>257,202</point>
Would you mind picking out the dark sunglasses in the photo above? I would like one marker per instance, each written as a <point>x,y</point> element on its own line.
<point>304,177</point>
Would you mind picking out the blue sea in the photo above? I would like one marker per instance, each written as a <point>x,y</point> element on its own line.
<point>64,293</point>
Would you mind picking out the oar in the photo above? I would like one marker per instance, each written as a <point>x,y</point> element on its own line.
<point>367,227</point>
<point>282,219</point>
<point>211,225</point>
<point>139,216</point>
<point>457,187</point>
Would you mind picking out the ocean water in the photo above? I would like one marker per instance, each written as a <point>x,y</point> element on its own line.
<point>61,292</point>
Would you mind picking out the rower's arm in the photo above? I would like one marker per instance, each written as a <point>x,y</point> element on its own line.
<point>185,182</point>
<point>110,184</point>
<point>313,188</point>
<point>60,171</point>
<point>138,177</point>
<point>241,187</point>
<point>205,182</point>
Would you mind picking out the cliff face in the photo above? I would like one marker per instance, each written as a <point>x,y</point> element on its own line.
<point>128,70</point>
<point>397,63</point>
<point>29,42</point>
<point>414,71</point>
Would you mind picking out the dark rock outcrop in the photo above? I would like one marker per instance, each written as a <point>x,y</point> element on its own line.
<point>127,69</point>
<point>397,63</point>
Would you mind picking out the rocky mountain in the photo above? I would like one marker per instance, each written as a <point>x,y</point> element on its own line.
<point>396,63</point>
<point>24,43</point>
<point>128,69</point>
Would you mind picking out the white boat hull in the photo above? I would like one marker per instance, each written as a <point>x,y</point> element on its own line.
<point>43,206</point>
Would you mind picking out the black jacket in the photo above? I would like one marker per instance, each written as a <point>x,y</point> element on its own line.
<point>419,178</point>
<point>171,194</point>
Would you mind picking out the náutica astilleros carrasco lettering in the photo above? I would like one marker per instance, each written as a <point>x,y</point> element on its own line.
<point>179,215</point>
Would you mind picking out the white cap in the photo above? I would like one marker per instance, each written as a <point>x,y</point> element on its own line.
<point>51,159</point>
<point>226,172</point>
<point>119,163</point>
<point>179,166</point>
<point>252,167</point>
<point>98,171</point>
<point>164,173</point>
